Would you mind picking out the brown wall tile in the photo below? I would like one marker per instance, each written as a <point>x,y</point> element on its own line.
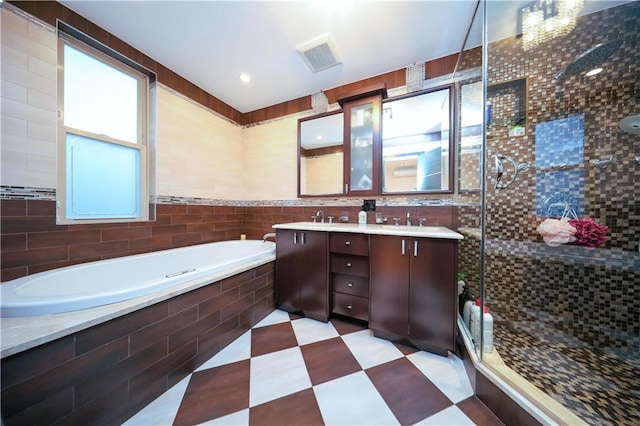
<point>74,380</point>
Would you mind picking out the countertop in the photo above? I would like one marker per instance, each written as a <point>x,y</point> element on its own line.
<point>371,229</point>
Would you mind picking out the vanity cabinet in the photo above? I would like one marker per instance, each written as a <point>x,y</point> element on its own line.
<point>413,291</point>
<point>302,272</point>
<point>350,275</point>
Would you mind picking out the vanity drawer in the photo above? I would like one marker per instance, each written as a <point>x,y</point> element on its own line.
<point>350,244</point>
<point>350,265</point>
<point>349,284</point>
<point>351,306</point>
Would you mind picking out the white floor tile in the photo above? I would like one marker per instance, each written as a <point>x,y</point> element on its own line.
<point>275,317</point>
<point>240,418</point>
<point>352,400</point>
<point>309,330</point>
<point>238,350</point>
<point>452,416</point>
<point>369,350</point>
<point>277,374</point>
<point>163,410</point>
<point>447,373</point>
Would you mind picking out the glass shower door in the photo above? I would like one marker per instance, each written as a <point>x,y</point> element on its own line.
<point>561,257</point>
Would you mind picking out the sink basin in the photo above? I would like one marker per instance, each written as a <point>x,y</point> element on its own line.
<point>414,228</point>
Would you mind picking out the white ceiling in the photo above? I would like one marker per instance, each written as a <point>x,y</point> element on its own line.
<point>211,43</point>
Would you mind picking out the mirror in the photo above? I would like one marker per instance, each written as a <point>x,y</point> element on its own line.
<point>321,154</point>
<point>416,143</point>
<point>470,149</point>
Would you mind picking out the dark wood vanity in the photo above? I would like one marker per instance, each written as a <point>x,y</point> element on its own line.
<point>401,280</point>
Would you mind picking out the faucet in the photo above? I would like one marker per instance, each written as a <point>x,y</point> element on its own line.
<point>408,219</point>
<point>321,214</point>
<point>268,235</point>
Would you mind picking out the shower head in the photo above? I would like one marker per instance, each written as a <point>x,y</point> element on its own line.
<point>631,124</point>
<point>590,59</point>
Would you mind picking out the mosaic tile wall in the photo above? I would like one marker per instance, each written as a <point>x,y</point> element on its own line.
<point>590,295</point>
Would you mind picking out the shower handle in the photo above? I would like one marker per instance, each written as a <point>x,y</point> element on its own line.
<point>518,168</point>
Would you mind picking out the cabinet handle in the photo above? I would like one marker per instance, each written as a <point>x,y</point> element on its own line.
<point>303,238</point>
<point>415,248</point>
<point>348,264</point>
<point>349,284</point>
<point>349,306</point>
<point>295,238</point>
<point>403,247</point>
<point>347,243</point>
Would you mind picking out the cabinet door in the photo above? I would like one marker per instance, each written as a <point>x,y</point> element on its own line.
<point>287,281</point>
<point>313,267</point>
<point>389,297</point>
<point>362,146</point>
<point>432,292</point>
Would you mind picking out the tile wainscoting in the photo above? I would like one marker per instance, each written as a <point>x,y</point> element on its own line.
<point>106,373</point>
<point>32,242</point>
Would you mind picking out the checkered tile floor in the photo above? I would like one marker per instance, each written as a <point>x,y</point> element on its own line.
<point>289,370</point>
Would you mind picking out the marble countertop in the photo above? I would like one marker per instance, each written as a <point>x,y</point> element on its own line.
<point>371,229</point>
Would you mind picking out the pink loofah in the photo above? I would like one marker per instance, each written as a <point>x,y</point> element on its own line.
<point>589,233</point>
<point>556,232</point>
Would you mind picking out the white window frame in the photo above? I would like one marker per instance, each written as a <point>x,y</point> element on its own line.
<point>143,133</point>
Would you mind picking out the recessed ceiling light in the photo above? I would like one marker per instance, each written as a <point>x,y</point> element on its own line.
<point>319,137</point>
<point>594,72</point>
<point>245,78</point>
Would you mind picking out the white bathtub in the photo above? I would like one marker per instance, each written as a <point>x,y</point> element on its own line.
<point>100,283</point>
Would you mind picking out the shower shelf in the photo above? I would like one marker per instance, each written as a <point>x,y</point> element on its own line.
<point>514,88</point>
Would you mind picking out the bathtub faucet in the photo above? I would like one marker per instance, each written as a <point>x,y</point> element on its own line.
<point>268,235</point>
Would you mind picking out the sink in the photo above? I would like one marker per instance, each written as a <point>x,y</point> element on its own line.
<point>414,228</point>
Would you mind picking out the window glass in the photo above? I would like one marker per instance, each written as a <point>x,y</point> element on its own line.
<point>105,188</point>
<point>99,98</point>
<point>102,134</point>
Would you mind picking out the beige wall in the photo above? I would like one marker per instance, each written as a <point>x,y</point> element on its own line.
<point>28,103</point>
<point>198,153</point>
<point>271,160</point>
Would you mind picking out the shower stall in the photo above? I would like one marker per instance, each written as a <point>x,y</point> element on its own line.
<point>559,146</point>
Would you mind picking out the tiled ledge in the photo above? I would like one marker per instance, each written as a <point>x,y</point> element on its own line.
<point>31,193</point>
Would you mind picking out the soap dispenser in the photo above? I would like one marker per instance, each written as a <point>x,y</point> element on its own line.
<point>362,217</point>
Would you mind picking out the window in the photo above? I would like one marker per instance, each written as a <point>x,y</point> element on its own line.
<point>103,137</point>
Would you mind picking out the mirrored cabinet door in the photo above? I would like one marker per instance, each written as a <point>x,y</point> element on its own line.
<point>321,158</point>
<point>362,138</point>
<point>416,143</point>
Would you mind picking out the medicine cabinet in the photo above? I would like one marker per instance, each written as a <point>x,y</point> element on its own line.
<point>376,146</point>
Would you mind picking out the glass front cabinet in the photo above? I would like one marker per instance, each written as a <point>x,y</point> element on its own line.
<point>362,145</point>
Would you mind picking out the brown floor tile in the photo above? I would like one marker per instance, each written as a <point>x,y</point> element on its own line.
<point>300,408</point>
<point>410,395</point>
<point>328,359</point>
<point>272,338</point>
<point>478,412</point>
<point>406,350</point>
<point>214,393</point>
<point>345,327</point>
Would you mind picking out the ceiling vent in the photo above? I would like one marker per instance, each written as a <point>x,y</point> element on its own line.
<point>320,53</point>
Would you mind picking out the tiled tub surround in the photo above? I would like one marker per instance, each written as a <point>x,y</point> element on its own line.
<point>105,373</point>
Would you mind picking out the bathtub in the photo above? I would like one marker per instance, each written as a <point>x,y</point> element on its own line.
<point>94,284</point>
